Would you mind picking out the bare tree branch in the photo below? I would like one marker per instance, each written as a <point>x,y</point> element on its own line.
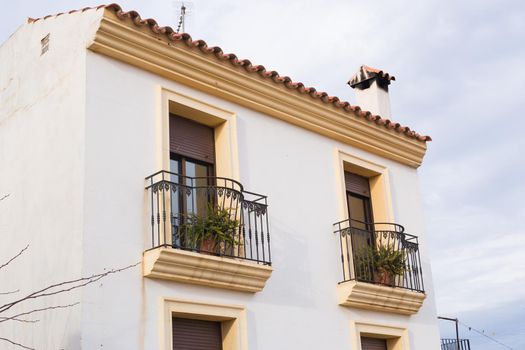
<point>3,319</point>
<point>14,257</point>
<point>18,320</point>
<point>4,197</point>
<point>17,344</point>
<point>11,292</point>
<point>66,286</point>
<point>54,289</point>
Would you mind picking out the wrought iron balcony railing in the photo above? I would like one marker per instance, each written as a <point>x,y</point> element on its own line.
<point>380,253</point>
<point>209,215</point>
<point>452,344</point>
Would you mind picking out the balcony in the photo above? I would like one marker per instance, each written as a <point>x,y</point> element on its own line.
<point>453,344</point>
<point>381,267</point>
<point>207,231</point>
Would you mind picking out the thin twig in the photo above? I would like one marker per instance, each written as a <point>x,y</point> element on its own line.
<point>17,344</point>
<point>14,257</point>
<point>18,320</point>
<point>4,197</point>
<point>11,292</point>
<point>3,319</point>
<point>82,282</point>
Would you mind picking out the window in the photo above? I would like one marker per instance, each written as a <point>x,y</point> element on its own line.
<point>367,336</point>
<point>368,182</point>
<point>361,223</point>
<point>358,199</point>
<point>195,325</point>
<point>196,334</point>
<point>373,344</point>
<point>192,158</point>
<point>192,164</point>
<point>218,122</point>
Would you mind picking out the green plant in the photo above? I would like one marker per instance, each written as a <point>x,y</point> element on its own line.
<point>382,264</point>
<point>389,260</point>
<point>214,229</point>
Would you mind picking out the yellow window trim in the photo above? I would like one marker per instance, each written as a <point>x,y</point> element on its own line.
<point>379,185</point>
<point>379,191</point>
<point>396,337</point>
<point>232,318</point>
<point>222,121</point>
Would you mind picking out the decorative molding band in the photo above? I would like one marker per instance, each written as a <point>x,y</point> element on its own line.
<point>124,41</point>
<point>379,298</point>
<point>190,267</point>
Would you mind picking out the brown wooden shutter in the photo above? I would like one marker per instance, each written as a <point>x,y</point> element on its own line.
<point>373,344</point>
<point>357,184</point>
<point>191,139</point>
<point>196,334</point>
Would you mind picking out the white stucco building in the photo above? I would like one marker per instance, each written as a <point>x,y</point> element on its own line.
<point>94,102</point>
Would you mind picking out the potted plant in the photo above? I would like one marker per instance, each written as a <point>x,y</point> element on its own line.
<point>211,232</point>
<point>381,265</point>
<point>388,264</point>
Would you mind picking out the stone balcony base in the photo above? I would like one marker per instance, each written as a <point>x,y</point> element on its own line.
<point>379,297</point>
<point>214,271</point>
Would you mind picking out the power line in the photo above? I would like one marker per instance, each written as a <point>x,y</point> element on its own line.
<point>482,332</point>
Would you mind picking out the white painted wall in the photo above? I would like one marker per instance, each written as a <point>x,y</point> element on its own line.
<point>294,167</point>
<point>42,169</point>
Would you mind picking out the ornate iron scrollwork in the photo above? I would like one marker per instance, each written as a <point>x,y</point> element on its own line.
<point>259,209</point>
<point>386,256</point>
<point>177,207</point>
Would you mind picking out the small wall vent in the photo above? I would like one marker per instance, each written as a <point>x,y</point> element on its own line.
<point>44,43</point>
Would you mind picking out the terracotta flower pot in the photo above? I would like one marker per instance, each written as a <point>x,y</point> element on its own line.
<point>384,277</point>
<point>209,245</point>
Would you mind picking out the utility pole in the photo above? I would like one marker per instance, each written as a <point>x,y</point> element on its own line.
<point>457,328</point>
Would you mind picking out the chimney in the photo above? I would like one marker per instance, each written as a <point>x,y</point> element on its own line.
<point>371,89</point>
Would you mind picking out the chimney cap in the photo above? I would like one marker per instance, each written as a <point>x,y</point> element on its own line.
<point>365,75</point>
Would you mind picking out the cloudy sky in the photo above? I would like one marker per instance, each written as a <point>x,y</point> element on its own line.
<point>460,68</point>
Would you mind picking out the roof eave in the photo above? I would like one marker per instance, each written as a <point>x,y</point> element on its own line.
<point>126,37</point>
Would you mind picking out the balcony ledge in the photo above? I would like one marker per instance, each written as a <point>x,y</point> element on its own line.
<point>379,298</point>
<point>214,271</point>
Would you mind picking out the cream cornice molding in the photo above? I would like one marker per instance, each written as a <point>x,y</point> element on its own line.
<point>124,41</point>
<point>379,298</point>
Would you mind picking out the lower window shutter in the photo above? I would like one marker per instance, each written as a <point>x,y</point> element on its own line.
<point>191,334</point>
<point>373,344</point>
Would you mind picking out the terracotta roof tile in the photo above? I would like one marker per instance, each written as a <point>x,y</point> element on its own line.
<point>216,51</point>
<point>31,20</point>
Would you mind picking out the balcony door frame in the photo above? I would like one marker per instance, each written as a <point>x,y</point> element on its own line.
<point>223,122</point>
<point>380,191</point>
